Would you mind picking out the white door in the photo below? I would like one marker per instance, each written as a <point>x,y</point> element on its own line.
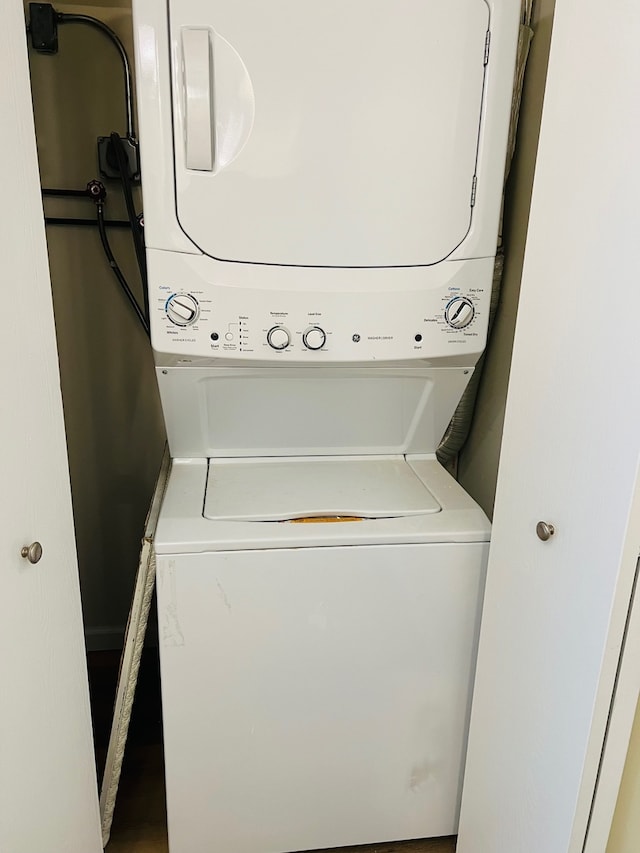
<point>555,610</point>
<point>299,127</point>
<point>48,792</point>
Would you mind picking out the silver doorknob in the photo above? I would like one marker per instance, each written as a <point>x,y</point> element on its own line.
<point>544,530</point>
<point>32,552</point>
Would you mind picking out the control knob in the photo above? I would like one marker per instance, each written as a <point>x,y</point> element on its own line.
<point>459,312</point>
<point>182,309</point>
<point>314,337</point>
<point>278,337</point>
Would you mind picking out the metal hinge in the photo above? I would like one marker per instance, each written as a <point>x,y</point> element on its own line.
<point>474,184</point>
<point>487,47</point>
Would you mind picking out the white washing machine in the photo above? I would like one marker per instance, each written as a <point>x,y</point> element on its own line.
<point>322,187</point>
<point>316,677</point>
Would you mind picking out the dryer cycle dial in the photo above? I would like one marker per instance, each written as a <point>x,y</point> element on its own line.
<point>278,337</point>
<point>314,337</point>
<point>182,309</point>
<point>459,312</point>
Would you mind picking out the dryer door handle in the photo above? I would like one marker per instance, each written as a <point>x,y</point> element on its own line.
<point>197,73</point>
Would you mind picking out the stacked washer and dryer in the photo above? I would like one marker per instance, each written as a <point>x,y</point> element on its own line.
<point>322,191</point>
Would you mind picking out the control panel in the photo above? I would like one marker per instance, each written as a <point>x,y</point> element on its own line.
<point>241,322</point>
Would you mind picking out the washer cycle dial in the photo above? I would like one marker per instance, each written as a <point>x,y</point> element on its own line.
<point>459,312</point>
<point>182,309</point>
<point>278,337</point>
<point>314,337</point>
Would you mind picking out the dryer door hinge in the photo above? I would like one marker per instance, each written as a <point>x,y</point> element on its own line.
<point>487,47</point>
<point>474,184</point>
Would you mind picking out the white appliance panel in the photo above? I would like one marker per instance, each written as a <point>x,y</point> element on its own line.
<point>182,527</point>
<point>155,112</point>
<point>289,411</point>
<point>320,702</point>
<point>231,311</point>
<point>303,131</point>
<point>283,489</point>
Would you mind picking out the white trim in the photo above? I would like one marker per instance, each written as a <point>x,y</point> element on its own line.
<point>131,655</point>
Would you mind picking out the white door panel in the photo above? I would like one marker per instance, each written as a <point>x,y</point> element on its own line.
<point>313,150</point>
<point>48,791</point>
<point>555,611</point>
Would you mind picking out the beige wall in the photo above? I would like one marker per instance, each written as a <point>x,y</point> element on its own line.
<point>114,425</point>
<point>478,464</point>
<point>625,831</point>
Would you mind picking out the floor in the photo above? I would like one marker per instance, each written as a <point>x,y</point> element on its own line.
<point>140,821</point>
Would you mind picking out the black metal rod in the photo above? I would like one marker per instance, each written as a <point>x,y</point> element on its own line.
<point>64,17</point>
<point>69,220</point>
<point>63,193</point>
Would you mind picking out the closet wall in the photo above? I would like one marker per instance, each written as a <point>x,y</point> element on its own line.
<point>115,433</point>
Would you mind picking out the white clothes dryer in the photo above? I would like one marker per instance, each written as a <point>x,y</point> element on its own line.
<point>322,181</point>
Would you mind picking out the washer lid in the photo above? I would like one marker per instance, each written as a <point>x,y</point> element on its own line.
<point>304,131</point>
<point>285,489</point>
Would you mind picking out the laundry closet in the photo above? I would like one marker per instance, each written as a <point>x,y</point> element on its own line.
<point>116,432</point>
<point>78,96</point>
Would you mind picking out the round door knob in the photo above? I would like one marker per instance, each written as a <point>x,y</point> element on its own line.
<point>278,337</point>
<point>32,552</point>
<point>314,338</point>
<point>182,309</point>
<point>544,530</point>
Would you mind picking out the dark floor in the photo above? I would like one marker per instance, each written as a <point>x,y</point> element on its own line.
<point>140,821</point>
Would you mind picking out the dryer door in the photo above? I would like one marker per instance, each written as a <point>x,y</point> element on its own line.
<point>303,130</point>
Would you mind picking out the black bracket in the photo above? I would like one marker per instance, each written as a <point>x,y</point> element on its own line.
<point>43,26</point>
<point>107,162</point>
